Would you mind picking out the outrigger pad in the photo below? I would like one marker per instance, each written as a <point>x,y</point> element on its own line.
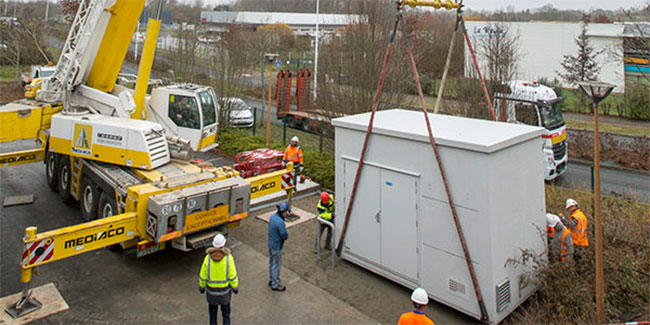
<point>23,307</point>
<point>45,300</point>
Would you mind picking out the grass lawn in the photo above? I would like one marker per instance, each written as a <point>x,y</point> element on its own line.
<point>612,128</point>
<point>8,72</point>
<point>307,140</point>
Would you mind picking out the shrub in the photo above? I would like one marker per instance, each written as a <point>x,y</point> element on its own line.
<point>566,291</point>
<point>639,101</point>
<point>319,166</point>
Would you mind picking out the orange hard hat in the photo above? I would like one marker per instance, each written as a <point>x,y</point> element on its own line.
<point>325,198</point>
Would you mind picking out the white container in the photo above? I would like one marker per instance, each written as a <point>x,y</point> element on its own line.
<point>401,225</point>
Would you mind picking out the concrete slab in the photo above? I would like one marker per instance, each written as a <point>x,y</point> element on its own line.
<point>47,294</point>
<point>302,303</point>
<point>18,200</point>
<point>303,216</point>
<point>304,188</point>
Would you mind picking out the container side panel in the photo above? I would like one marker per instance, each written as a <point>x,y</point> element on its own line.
<point>363,234</point>
<point>398,223</point>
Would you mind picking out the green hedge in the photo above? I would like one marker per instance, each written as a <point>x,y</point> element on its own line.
<point>319,166</point>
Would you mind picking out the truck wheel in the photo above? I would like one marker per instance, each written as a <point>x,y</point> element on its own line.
<point>107,208</point>
<point>51,170</point>
<point>306,125</point>
<point>292,122</point>
<point>89,199</point>
<point>64,176</point>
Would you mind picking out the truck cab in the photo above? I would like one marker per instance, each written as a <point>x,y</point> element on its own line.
<point>38,72</point>
<point>188,111</point>
<point>531,103</point>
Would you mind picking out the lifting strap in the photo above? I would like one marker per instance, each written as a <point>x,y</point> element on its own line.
<point>400,21</point>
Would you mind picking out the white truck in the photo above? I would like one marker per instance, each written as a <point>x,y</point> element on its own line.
<point>38,72</point>
<point>526,102</point>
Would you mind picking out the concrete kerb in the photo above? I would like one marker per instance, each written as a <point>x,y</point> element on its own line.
<point>609,165</point>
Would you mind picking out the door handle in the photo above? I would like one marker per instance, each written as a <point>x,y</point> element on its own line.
<point>378,216</point>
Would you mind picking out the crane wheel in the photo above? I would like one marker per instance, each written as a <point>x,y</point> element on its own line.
<point>89,199</point>
<point>64,175</point>
<point>51,170</point>
<point>105,209</point>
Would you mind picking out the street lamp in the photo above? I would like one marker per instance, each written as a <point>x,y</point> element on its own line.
<point>597,91</point>
<point>270,58</point>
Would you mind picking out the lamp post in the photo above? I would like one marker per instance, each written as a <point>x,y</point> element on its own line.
<point>597,91</point>
<point>270,58</point>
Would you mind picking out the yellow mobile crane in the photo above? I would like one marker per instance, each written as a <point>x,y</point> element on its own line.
<point>106,147</point>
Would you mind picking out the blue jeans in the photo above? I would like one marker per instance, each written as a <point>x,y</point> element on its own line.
<point>275,264</point>
<point>225,313</point>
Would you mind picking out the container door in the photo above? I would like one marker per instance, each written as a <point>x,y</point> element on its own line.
<point>398,223</point>
<point>363,232</point>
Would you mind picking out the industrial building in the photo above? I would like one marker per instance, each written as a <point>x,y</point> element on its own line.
<point>302,23</point>
<point>543,45</point>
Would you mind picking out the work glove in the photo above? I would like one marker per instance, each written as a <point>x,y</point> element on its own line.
<point>201,289</point>
<point>235,290</point>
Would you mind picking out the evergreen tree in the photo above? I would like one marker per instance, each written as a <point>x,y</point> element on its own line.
<point>583,66</point>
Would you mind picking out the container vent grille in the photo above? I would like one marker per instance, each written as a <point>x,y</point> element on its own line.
<point>456,286</point>
<point>503,295</point>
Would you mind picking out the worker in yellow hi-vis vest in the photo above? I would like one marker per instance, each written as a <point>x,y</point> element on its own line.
<point>219,275</point>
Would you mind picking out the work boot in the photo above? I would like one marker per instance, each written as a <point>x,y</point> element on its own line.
<point>279,288</point>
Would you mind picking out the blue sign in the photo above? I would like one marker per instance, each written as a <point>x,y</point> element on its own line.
<point>278,64</point>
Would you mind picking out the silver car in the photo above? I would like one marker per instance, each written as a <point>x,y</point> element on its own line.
<point>241,115</point>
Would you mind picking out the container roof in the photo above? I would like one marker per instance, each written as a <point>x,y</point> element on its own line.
<point>471,134</point>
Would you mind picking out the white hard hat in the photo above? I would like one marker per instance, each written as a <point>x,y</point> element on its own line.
<point>295,138</point>
<point>571,202</point>
<point>420,296</point>
<point>552,220</point>
<point>219,241</point>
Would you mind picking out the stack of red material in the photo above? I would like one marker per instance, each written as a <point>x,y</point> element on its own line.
<point>258,161</point>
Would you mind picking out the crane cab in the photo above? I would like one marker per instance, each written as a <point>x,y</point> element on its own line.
<point>188,111</point>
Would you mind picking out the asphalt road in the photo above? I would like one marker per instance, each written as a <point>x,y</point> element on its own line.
<point>614,181</point>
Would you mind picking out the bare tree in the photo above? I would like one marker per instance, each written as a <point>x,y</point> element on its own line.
<point>500,49</point>
<point>70,8</point>
<point>184,61</point>
<point>11,52</point>
<point>358,53</point>
<point>228,58</point>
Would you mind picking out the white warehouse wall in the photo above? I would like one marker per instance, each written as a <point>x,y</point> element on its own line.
<point>542,46</point>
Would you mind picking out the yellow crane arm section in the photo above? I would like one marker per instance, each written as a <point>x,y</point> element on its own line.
<point>115,44</point>
<point>61,243</point>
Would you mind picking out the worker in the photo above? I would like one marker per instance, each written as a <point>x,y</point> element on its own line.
<point>325,210</point>
<point>577,225</point>
<point>420,300</point>
<point>293,153</point>
<point>277,236</point>
<point>561,246</point>
<point>219,275</point>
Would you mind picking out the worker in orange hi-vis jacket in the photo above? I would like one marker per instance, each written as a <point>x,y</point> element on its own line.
<point>293,154</point>
<point>420,300</point>
<point>577,224</point>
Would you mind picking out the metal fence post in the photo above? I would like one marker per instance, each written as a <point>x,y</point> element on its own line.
<point>284,130</point>
<point>254,119</point>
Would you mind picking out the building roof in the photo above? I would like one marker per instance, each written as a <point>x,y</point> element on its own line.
<point>289,18</point>
<point>460,132</point>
